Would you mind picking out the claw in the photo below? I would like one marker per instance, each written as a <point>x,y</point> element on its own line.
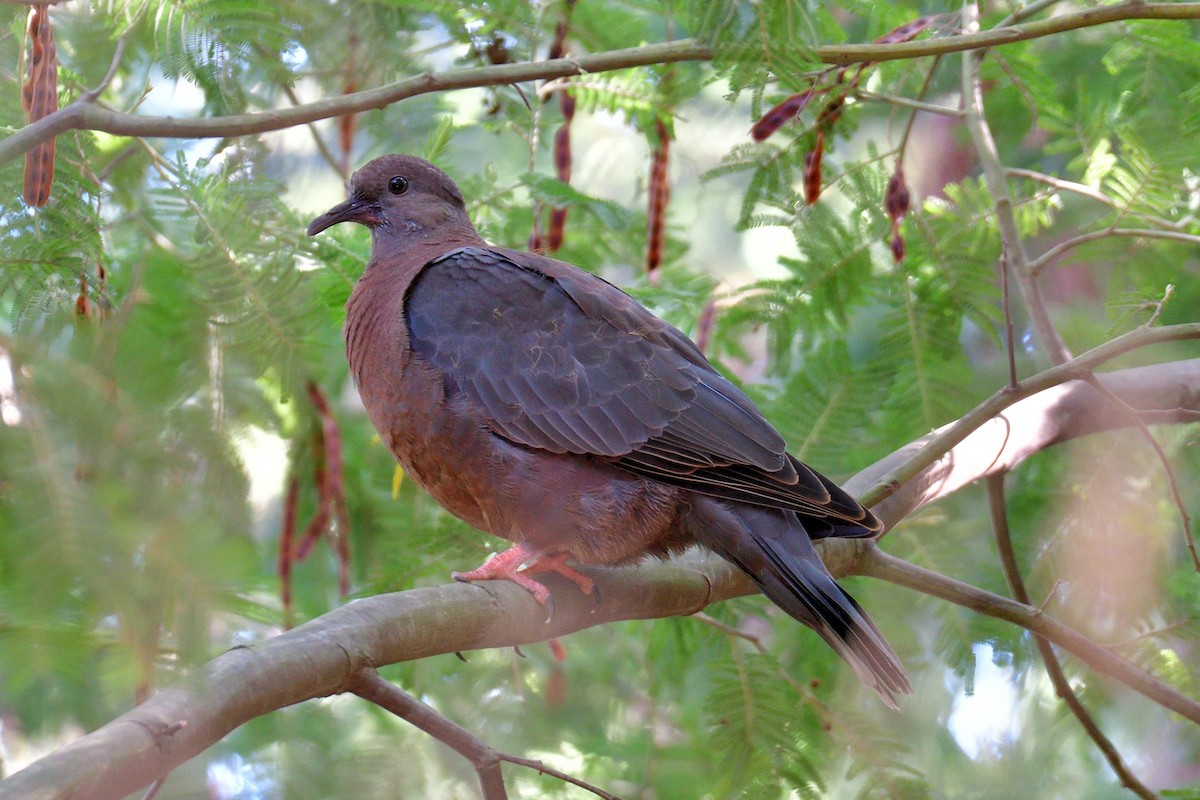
<point>504,567</point>
<point>507,566</point>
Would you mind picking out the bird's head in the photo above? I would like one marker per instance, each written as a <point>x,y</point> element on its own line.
<point>401,193</point>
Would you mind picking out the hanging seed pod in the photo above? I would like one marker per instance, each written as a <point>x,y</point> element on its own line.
<point>287,535</point>
<point>556,230</point>
<point>896,199</point>
<point>39,97</point>
<point>896,196</point>
<point>81,300</point>
<point>812,170</point>
<point>562,164</point>
<point>328,476</point>
<point>774,119</point>
<point>908,31</point>
<point>659,196</point>
<point>831,113</point>
<point>897,244</point>
<point>348,123</point>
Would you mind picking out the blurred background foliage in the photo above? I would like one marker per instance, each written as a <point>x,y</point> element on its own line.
<point>162,317</point>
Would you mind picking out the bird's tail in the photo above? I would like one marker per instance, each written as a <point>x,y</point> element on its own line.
<point>772,547</point>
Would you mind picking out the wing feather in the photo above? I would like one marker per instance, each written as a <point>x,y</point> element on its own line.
<point>558,359</point>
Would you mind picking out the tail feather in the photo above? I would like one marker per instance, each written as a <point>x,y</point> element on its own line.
<point>773,548</point>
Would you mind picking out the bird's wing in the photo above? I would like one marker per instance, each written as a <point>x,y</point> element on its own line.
<point>560,360</point>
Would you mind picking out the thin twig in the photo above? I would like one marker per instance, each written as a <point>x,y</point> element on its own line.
<point>322,148</point>
<point>1026,11</point>
<point>1083,190</point>
<point>1009,329</point>
<point>993,172</point>
<point>152,790</point>
<point>118,54</point>
<point>878,564</point>
<point>1051,255</point>
<point>1074,369</point>
<point>1022,89</point>
<point>1054,670</point>
<point>1151,634</point>
<point>912,118</point>
<point>370,686</point>
<point>1160,305</point>
<point>1185,520</point>
<point>929,108</point>
<point>554,773</point>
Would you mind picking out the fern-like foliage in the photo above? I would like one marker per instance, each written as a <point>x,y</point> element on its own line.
<point>245,272</point>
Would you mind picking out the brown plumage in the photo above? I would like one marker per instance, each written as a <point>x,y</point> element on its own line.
<point>542,404</point>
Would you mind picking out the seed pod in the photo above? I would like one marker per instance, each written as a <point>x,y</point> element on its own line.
<point>896,197</point>
<point>348,123</point>
<point>81,300</point>
<point>896,201</point>
<point>39,97</point>
<point>908,31</point>
<point>897,243</point>
<point>287,535</point>
<point>831,112</point>
<point>812,170</point>
<point>556,230</point>
<point>774,119</point>
<point>660,195</point>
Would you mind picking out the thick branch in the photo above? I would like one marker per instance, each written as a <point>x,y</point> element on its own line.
<point>898,470</point>
<point>323,656</point>
<point>89,116</point>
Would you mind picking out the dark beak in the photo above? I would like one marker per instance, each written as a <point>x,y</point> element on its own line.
<point>353,210</point>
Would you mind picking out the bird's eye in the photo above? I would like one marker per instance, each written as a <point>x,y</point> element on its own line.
<point>398,185</point>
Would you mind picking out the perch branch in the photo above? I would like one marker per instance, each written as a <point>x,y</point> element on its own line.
<point>322,657</point>
<point>82,114</point>
<point>917,457</point>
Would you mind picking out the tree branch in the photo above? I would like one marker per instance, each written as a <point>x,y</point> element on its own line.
<point>1054,670</point>
<point>1054,253</point>
<point>324,656</point>
<point>87,115</point>
<point>900,468</point>
<point>879,564</point>
<point>370,686</point>
<point>1016,262</point>
<point>1083,190</point>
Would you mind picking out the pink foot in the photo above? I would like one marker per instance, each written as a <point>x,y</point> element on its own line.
<point>558,563</point>
<point>506,566</point>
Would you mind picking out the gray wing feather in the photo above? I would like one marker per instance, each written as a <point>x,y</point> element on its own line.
<point>560,360</point>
